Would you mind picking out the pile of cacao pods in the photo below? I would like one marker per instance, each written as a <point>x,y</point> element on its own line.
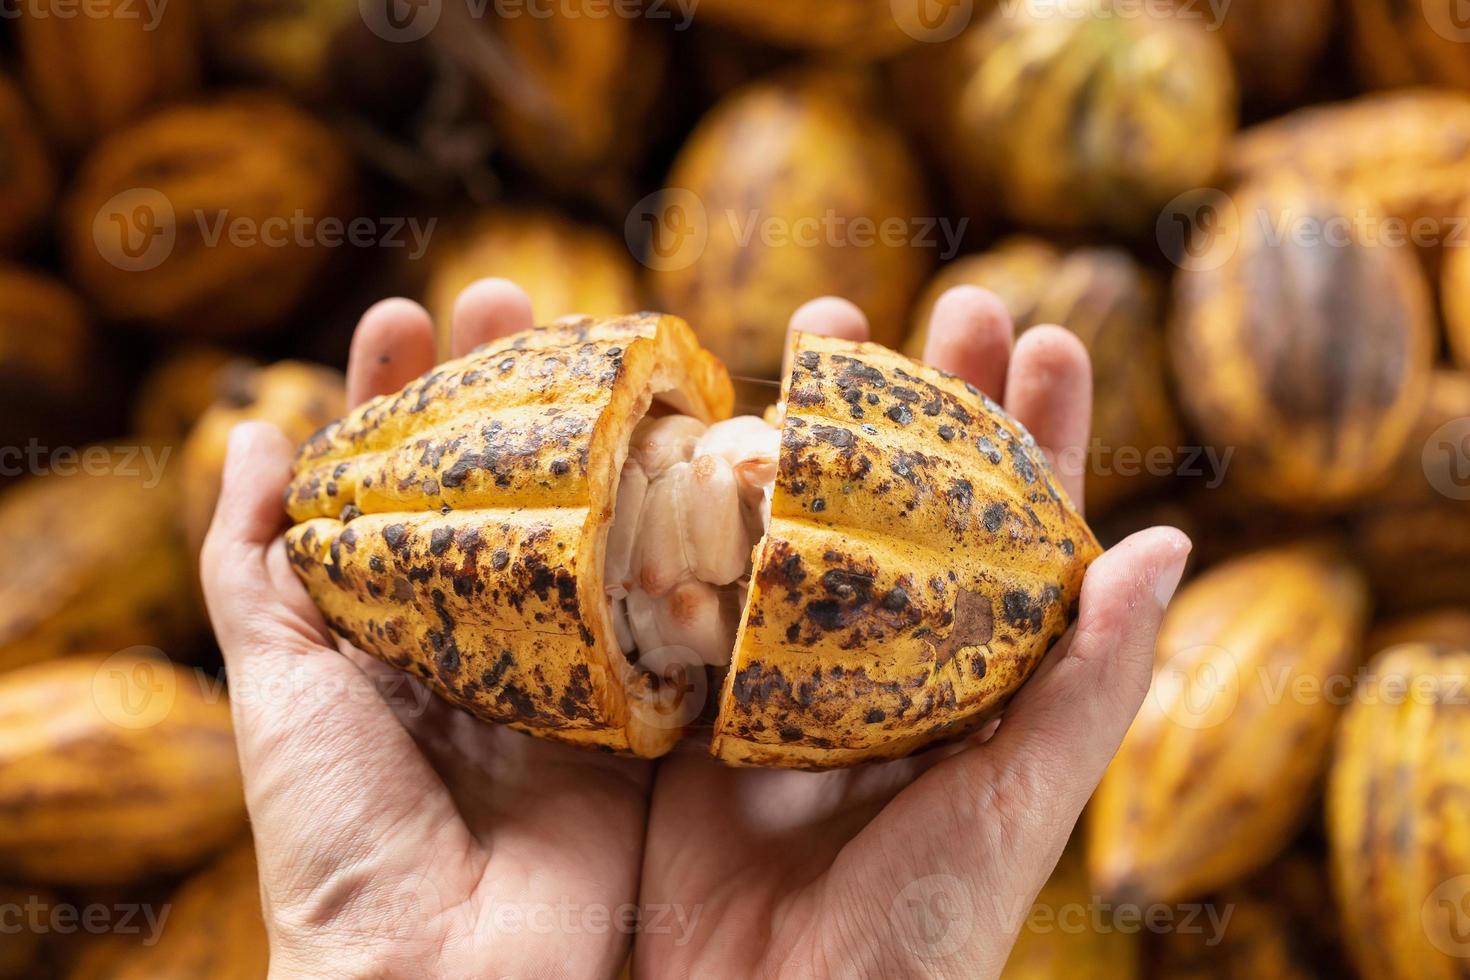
<point>1255,215</point>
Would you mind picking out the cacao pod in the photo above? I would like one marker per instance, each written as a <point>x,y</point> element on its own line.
<point>49,362</point>
<point>1398,803</point>
<point>1448,625</point>
<point>27,182</point>
<point>113,767</point>
<point>1276,47</point>
<point>1077,121</point>
<point>1053,944</point>
<point>762,211</point>
<point>1398,42</point>
<point>855,29</point>
<point>214,929</point>
<point>181,388</point>
<point>1455,293</point>
<point>566,268</point>
<point>295,397</point>
<point>208,219</point>
<point>104,565</point>
<point>92,74</point>
<point>1236,727</point>
<point>1113,306</point>
<point>1302,342</point>
<point>463,529</point>
<point>1413,536</point>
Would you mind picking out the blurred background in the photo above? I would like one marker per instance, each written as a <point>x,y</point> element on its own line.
<point>1255,214</point>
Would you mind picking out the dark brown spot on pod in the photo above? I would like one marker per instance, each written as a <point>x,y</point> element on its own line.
<point>396,535</point>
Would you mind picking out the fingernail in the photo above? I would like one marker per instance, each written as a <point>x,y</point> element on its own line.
<point>1167,582</point>
<point>238,445</point>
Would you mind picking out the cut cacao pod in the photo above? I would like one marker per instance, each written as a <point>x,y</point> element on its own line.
<point>1398,804</point>
<point>910,559</point>
<point>748,230</point>
<point>1227,747</point>
<point>113,767</point>
<point>1302,342</point>
<point>1113,305</point>
<point>27,182</point>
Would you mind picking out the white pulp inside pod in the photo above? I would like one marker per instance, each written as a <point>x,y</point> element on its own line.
<point>693,501</point>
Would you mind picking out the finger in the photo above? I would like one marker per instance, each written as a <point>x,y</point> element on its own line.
<point>830,317</point>
<point>393,344</point>
<point>485,310</point>
<point>1049,391</point>
<point>970,333</point>
<point>252,486</point>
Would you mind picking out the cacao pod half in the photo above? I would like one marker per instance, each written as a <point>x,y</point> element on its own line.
<point>1398,805</point>
<point>1113,305</point>
<point>1413,536</point>
<point>113,767</point>
<point>93,73</point>
<point>919,557</point>
<point>1061,938</point>
<point>762,212</point>
<point>98,560</point>
<point>1077,121</point>
<point>1302,342</point>
<point>1411,42</point>
<point>1236,728</point>
<point>295,397</point>
<point>180,388</point>
<point>27,182</point>
<point>208,220</point>
<point>566,268</point>
<point>49,363</point>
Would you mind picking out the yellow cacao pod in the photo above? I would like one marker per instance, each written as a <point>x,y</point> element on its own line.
<point>1455,293</point>
<point>105,566</point>
<point>1448,625</point>
<point>210,219</point>
<point>1251,665</point>
<point>1113,305</point>
<point>295,397</point>
<point>765,210</point>
<point>1411,42</point>
<point>114,767</point>
<point>214,929</point>
<point>566,268</point>
<point>1062,938</point>
<point>94,72</point>
<point>1302,342</point>
<point>49,363</point>
<point>1100,119</point>
<point>1413,536</point>
<point>27,182</point>
<point>1398,815</point>
<point>181,388</point>
<point>853,29</point>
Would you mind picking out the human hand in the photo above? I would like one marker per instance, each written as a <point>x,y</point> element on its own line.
<point>438,846</point>
<point>926,866</point>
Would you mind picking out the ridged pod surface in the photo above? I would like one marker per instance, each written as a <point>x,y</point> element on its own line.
<point>1413,536</point>
<point>1303,342</point>
<point>113,767</point>
<point>296,397</point>
<point>852,29</point>
<point>1410,42</point>
<point>27,183</point>
<point>566,268</point>
<point>99,562</point>
<point>209,219</point>
<point>93,73</point>
<point>1398,809</point>
<point>1078,121</point>
<point>919,562</point>
<point>180,389</point>
<point>49,362</point>
<point>767,168</point>
<point>1065,940</point>
<point>1113,305</point>
<point>1253,659</point>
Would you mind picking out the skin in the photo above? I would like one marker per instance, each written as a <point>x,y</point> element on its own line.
<point>397,837</point>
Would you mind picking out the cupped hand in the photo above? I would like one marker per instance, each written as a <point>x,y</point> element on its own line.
<point>928,866</point>
<point>396,836</point>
